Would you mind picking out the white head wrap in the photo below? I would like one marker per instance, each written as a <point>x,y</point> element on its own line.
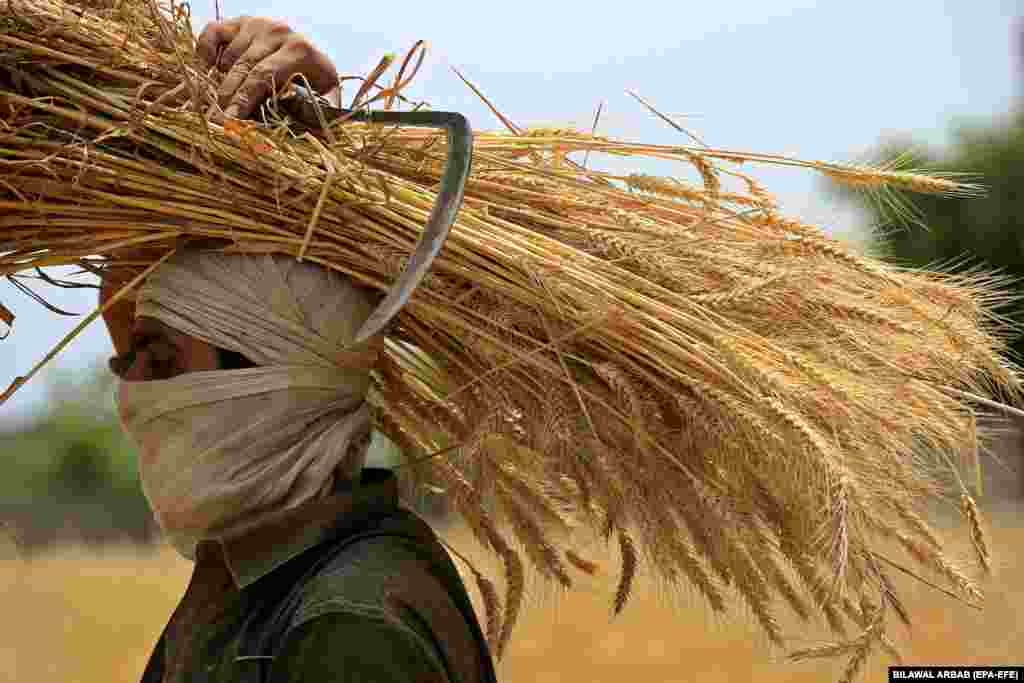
<point>222,449</point>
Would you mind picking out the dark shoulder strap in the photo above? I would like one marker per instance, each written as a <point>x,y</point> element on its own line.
<point>267,630</point>
<point>154,671</point>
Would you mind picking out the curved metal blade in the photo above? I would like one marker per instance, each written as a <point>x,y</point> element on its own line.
<point>446,206</point>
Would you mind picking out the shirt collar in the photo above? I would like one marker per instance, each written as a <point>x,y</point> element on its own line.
<point>283,536</point>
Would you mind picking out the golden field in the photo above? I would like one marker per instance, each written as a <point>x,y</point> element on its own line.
<point>85,615</point>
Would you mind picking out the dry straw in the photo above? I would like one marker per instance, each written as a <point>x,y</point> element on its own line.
<point>740,402</point>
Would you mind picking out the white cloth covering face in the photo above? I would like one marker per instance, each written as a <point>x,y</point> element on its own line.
<point>221,450</point>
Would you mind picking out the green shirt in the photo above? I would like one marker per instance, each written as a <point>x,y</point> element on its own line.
<point>379,611</point>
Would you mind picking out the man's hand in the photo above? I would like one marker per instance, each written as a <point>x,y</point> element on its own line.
<point>258,55</point>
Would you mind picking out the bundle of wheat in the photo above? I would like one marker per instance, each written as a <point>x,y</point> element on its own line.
<point>742,403</point>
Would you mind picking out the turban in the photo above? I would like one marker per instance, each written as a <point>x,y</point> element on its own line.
<point>221,450</point>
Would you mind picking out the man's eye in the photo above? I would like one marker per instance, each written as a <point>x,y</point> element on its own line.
<point>162,362</point>
<point>157,356</point>
<point>119,365</point>
<point>142,342</point>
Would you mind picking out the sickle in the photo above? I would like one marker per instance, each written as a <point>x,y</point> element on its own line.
<point>315,114</point>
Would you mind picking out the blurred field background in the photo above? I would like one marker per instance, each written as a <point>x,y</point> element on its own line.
<point>85,586</point>
<point>75,614</point>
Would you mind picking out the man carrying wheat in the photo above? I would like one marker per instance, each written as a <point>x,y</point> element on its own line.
<point>727,396</point>
<point>249,410</point>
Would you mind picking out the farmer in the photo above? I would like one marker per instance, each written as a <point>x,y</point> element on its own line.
<point>248,405</point>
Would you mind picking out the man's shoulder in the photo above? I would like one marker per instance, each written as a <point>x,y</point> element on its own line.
<point>345,647</point>
<point>353,620</point>
<point>400,579</point>
<point>372,575</point>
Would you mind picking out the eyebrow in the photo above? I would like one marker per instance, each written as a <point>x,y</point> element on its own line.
<point>149,332</point>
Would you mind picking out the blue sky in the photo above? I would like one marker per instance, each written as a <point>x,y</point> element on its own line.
<point>818,80</point>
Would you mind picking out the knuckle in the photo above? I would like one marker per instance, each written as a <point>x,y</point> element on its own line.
<point>209,37</point>
<point>278,27</point>
<point>257,85</point>
<point>300,47</point>
<point>242,66</point>
<point>229,59</point>
<point>245,98</point>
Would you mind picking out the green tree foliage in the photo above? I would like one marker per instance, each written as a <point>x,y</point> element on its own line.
<point>959,234</point>
<point>71,474</point>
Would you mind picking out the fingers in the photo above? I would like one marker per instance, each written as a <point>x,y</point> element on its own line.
<point>258,55</point>
<point>293,57</point>
<point>250,32</point>
<point>215,35</point>
<point>250,75</point>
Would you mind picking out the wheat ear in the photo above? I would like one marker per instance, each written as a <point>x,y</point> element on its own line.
<point>981,548</point>
<point>584,565</point>
<point>629,565</point>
